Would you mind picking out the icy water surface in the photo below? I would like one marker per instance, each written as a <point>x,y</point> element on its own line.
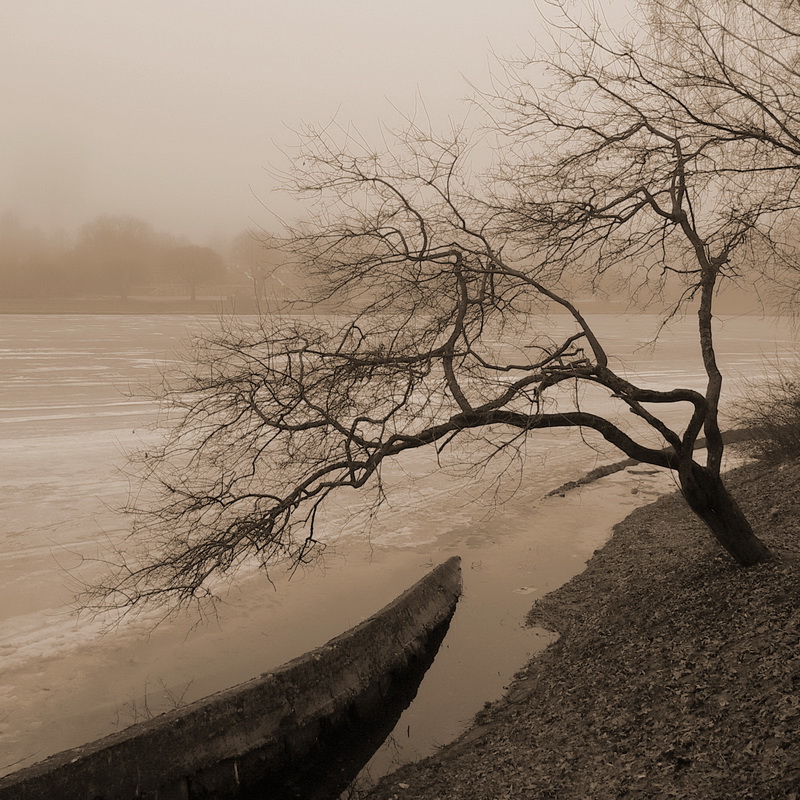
<point>67,415</point>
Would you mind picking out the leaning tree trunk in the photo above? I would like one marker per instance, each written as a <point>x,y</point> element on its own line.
<point>707,496</point>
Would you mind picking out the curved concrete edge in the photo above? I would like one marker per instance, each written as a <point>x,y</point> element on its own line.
<point>223,744</point>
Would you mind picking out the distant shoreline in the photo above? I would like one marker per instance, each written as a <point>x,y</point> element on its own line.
<point>235,306</point>
<point>133,306</point>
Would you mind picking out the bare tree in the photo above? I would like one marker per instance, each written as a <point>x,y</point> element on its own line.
<point>119,251</point>
<point>259,255</point>
<point>193,266</point>
<point>631,158</point>
<point>31,262</point>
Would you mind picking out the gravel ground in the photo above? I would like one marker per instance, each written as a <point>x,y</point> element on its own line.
<point>676,674</point>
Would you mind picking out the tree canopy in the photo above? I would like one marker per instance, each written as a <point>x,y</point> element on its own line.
<point>670,151</point>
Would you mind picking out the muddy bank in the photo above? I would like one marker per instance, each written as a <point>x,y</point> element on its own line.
<point>676,674</point>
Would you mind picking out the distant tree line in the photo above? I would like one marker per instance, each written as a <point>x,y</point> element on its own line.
<point>122,256</point>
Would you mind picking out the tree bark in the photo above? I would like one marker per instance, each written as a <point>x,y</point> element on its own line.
<point>707,496</point>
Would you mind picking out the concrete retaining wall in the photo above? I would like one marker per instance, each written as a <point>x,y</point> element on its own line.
<point>236,744</point>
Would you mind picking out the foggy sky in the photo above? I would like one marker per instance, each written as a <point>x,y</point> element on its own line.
<point>173,109</point>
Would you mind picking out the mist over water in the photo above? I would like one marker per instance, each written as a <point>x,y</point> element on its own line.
<point>69,412</point>
<point>171,112</point>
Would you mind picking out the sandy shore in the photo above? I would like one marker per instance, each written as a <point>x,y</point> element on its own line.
<point>676,674</point>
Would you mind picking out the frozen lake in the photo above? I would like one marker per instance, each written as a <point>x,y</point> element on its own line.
<point>68,413</point>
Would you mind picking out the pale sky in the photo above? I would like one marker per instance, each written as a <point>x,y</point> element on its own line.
<point>173,109</point>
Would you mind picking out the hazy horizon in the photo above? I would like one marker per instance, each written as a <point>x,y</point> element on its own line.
<point>173,113</point>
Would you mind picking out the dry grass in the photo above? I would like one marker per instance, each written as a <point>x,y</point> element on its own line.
<point>772,411</point>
